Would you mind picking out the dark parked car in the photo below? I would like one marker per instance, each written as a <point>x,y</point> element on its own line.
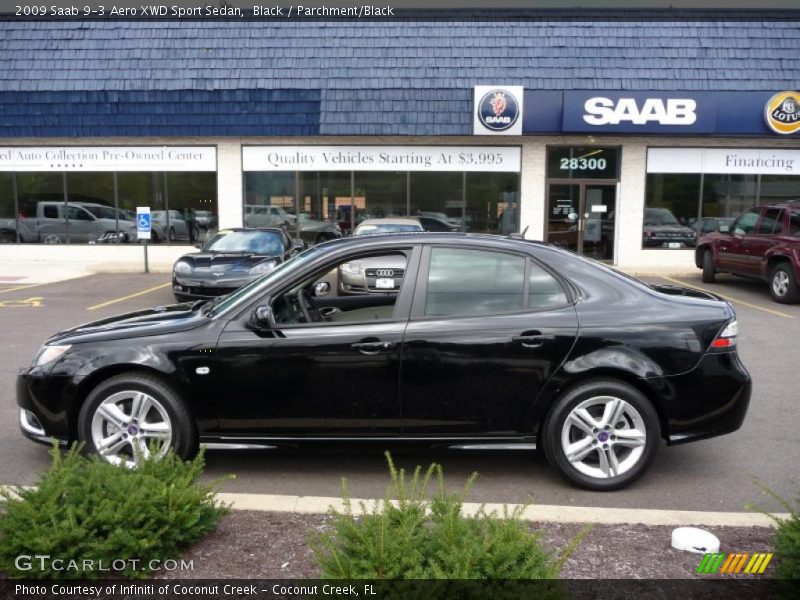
<point>490,341</point>
<point>762,243</point>
<point>662,230</point>
<point>709,224</point>
<point>229,260</point>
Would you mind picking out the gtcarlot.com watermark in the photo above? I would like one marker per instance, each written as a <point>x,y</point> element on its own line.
<point>45,562</point>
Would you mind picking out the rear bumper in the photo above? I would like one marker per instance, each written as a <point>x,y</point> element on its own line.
<point>709,401</point>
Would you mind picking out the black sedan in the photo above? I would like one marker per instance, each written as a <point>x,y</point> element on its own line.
<point>230,259</point>
<point>490,342</point>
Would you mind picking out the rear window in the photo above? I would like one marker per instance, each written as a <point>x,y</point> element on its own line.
<point>387,228</point>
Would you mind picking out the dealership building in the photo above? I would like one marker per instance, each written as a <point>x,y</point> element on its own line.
<point>614,134</point>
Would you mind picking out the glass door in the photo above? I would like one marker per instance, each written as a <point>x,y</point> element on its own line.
<point>580,217</point>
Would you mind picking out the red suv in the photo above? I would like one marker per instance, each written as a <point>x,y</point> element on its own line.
<point>762,243</point>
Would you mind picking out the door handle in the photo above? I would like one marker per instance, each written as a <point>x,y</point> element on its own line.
<point>371,348</point>
<point>533,339</point>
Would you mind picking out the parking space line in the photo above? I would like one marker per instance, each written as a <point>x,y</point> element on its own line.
<point>129,296</point>
<point>25,286</point>
<point>731,298</point>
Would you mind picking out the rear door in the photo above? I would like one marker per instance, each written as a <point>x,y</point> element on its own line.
<point>487,329</point>
<point>767,234</point>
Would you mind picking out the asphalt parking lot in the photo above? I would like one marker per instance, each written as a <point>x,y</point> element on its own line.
<point>713,475</point>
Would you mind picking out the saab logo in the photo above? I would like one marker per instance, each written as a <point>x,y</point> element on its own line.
<point>734,563</point>
<point>676,111</point>
<point>782,113</point>
<point>498,110</point>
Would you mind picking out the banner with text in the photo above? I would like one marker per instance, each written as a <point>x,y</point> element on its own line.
<point>108,158</point>
<point>494,159</point>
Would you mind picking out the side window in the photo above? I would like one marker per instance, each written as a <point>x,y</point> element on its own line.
<point>50,211</point>
<point>474,282</point>
<point>75,213</point>
<point>544,291</point>
<point>771,222</point>
<point>747,222</point>
<point>794,223</point>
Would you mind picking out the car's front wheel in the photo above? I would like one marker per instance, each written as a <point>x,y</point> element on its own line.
<point>601,435</point>
<point>709,273</point>
<point>132,416</point>
<point>783,285</point>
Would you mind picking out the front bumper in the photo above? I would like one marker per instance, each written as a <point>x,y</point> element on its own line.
<point>43,403</point>
<point>203,289</point>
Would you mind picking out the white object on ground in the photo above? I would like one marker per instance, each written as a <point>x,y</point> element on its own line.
<point>695,540</point>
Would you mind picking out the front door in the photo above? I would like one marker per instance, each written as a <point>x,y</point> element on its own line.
<point>330,362</point>
<point>581,218</point>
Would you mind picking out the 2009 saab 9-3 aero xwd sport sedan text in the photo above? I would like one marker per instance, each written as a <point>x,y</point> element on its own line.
<point>488,340</point>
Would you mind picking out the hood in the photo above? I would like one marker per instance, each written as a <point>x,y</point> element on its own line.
<point>223,262</point>
<point>152,321</point>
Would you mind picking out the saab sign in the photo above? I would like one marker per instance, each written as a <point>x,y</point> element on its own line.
<point>639,112</point>
<point>497,110</point>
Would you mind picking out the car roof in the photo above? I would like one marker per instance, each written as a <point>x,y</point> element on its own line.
<point>237,229</point>
<point>391,221</point>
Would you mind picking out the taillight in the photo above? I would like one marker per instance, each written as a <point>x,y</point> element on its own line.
<point>727,337</point>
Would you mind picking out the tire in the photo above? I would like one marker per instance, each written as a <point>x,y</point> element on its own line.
<point>7,237</point>
<point>153,237</point>
<point>171,235</point>
<point>51,238</point>
<point>709,273</point>
<point>167,415</point>
<point>632,451</point>
<point>783,284</point>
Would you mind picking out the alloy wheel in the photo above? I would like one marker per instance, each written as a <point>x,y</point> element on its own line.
<point>129,426</point>
<point>780,283</point>
<point>603,437</point>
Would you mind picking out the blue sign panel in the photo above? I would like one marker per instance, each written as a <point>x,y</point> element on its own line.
<point>671,113</point>
<point>143,223</point>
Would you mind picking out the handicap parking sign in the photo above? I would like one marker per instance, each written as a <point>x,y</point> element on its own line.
<point>143,222</point>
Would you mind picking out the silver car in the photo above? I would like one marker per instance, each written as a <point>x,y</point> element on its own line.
<point>377,274</point>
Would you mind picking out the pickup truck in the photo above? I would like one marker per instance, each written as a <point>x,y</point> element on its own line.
<point>56,223</point>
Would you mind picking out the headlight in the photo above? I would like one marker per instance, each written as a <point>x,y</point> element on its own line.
<point>263,267</point>
<point>354,268</point>
<point>48,354</point>
<point>182,267</point>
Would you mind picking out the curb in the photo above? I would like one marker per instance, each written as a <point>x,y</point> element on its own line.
<point>535,513</point>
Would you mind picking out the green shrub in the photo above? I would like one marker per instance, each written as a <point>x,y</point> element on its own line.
<point>787,536</point>
<point>86,509</point>
<point>408,535</point>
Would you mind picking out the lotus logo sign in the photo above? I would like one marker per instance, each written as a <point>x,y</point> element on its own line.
<point>782,113</point>
<point>498,110</point>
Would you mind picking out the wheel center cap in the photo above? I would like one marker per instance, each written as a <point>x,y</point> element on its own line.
<point>133,430</point>
<point>602,436</point>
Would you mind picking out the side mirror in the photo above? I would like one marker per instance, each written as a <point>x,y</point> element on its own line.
<point>724,229</point>
<point>263,317</point>
<point>198,245</point>
<point>322,288</point>
<point>298,245</point>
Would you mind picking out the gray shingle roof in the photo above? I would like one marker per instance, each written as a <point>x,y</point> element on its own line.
<point>356,78</point>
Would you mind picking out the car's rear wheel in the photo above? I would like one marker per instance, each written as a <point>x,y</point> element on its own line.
<point>133,416</point>
<point>783,285</point>
<point>601,435</point>
<point>709,273</point>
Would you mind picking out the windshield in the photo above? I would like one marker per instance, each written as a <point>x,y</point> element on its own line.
<point>659,216</point>
<point>254,242</point>
<point>105,212</point>
<point>387,228</point>
<point>223,302</point>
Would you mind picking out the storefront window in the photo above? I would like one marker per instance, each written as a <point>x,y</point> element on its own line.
<point>779,188</point>
<point>8,213</point>
<point>194,196</point>
<point>673,197</point>
<point>728,195</point>
<point>493,202</point>
<point>439,196</point>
